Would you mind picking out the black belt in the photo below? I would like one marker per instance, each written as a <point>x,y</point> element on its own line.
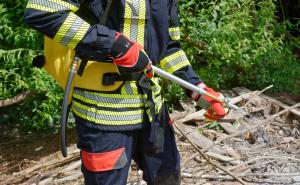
<point>111,78</point>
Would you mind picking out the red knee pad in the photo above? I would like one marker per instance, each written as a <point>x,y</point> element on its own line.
<point>104,161</point>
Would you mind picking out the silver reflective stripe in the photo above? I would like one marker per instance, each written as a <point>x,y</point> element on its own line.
<point>127,87</point>
<point>175,35</point>
<point>102,99</point>
<point>176,61</point>
<point>134,19</point>
<point>105,117</point>
<point>121,162</point>
<point>72,31</point>
<point>49,4</point>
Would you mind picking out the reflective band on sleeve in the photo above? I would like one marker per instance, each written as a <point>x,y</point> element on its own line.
<point>71,31</point>
<point>174,33</point>
<point>51,5</point>
<point>134,20</point>
<point>104,161</point>
<point>174,61</point>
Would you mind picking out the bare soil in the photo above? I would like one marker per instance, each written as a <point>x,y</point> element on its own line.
<point>266,154</point>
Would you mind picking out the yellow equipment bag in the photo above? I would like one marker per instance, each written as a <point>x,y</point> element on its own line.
<point>58,60</point>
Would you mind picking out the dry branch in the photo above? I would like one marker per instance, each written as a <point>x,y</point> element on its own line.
<point>16,99</point>
<point>266,121</point>
<point>256,94</point>
<point>208,159</point>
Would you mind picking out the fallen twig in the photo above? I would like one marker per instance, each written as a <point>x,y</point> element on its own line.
<point>16,99</point>
<point>253,127</point>
<point>255,95</point>
<point>208,159</point>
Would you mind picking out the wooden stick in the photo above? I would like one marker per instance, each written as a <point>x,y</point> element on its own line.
<point>236,134</point>
<point>253,127</point>
<point>16,99</point>
<point>256,94</point>
<point>68,178</point>
<point>208,159</point>
<point>226,177</point>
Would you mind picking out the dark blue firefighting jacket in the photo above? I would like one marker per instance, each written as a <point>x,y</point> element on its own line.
<point>152,23</point>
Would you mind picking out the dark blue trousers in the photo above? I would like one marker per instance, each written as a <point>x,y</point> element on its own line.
<point>106,156</point>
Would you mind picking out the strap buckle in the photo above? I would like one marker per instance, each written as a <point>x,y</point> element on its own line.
<point>109,78</point>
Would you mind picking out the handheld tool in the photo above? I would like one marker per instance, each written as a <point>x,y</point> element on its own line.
<point>192,87</point>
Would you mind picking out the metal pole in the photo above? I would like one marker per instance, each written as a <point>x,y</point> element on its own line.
<point>190,86</point>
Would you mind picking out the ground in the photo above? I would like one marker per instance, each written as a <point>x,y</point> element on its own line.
<point>274,149</point>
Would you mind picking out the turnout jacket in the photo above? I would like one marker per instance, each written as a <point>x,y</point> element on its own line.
<point>152,23</point>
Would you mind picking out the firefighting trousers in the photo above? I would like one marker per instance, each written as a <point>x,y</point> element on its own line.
<point>106,156</point>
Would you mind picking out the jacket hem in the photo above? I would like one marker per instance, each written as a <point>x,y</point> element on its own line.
<point>103,127</point>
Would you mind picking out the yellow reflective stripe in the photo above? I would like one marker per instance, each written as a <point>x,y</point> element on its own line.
<point>149,115</point>
<point>51,5</point>
<point>110,112</point>
<point>174,61</point>
<point>109,104</point>
<point>65,27</point>
<point>134,20</point>
<point>115,96</point>
<point>158,104</point>
<point>141,23</point>
<point>39,7</point>
<point>174,33</point>
<point>104,121</point>
<point>127,20</point>
<point>79,35</point>
<point>71,31</point>
<point>156,89</point>
<point>65,4</point>
<point>129,87</point>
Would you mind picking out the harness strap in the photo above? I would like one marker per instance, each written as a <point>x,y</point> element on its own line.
<point>111,78</point>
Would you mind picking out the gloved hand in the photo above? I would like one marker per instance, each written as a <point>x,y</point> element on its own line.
<point>130,57</point>
<point>215,110</point>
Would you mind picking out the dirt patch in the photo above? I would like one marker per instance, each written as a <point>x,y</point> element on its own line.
<point>258,146</point>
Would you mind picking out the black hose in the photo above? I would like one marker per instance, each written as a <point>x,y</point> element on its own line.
<point>66,108</point>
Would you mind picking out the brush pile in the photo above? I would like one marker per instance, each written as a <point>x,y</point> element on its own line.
<point>259,145</point>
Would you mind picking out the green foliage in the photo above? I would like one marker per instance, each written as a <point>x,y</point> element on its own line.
<point>239,43</point>
<point>18,45</point>
<point>172,94</point>
<point>229,42</point>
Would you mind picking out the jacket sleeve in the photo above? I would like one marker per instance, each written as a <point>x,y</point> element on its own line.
<point>57,19</point>
<point>175,60</point>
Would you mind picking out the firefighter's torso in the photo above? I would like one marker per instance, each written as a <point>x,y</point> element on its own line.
<point>122,105</point>
<point>144,21</point>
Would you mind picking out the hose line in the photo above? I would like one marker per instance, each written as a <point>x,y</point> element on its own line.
<point>66,108</point>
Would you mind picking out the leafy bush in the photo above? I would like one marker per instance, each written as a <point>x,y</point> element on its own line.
<point>239,43</point>
<point>18,45</point>
<point>229,42</point>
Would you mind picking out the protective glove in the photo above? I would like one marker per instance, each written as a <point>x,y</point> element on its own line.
<point>214,109</point>
<point>130,57</point>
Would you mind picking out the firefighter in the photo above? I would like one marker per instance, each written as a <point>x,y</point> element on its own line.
<point>128,121</point>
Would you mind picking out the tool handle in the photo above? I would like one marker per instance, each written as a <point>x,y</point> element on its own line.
<point>189,86</point>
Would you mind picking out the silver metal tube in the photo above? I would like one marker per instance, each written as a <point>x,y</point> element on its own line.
<point>186,84</point>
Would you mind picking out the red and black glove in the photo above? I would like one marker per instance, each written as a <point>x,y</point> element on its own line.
<point>130,57</point>
<point>215,110</point>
